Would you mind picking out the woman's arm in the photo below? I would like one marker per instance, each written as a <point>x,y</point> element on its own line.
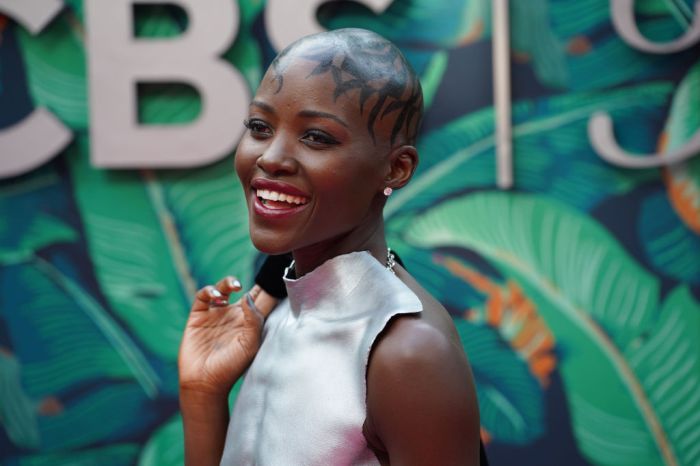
<point>421,400</point>
<point>205,420</point>
<point>219,343</point>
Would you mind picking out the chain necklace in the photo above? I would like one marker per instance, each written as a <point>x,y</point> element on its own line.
<point>390,263</point>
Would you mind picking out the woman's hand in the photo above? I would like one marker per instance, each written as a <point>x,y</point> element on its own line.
<point>221,338</point>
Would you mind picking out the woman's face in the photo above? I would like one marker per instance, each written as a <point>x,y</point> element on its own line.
<point>310,169</point>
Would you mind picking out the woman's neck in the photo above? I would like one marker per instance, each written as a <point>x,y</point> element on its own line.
<point>372,240</point>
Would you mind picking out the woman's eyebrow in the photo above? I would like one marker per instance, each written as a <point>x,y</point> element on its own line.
<point>266,107</point>
<point>317,114</point>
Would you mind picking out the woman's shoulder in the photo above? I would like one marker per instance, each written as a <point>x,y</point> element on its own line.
<point>419,380</point>
<point>434,322</point>
<point>425,341</point>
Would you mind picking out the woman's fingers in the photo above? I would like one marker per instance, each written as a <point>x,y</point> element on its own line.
<point>205,298</point>
<point>217,295</point>
<point>256,301</point>
<point>265,303</point>
<point>228,285</point>
<point>222,290</point>
<point>248,303</point>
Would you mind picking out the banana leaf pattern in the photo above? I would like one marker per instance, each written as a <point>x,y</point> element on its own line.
<point>576,294</point>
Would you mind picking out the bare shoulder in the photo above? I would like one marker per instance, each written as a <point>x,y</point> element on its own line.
<point>420,389</point>
<point>427,341</point>
<point>433,323</point>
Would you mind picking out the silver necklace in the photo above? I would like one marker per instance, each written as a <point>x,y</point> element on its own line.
<point>390,263</point>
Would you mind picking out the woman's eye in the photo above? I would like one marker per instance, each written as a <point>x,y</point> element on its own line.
<point>258,127</point>
<point>317,137</point>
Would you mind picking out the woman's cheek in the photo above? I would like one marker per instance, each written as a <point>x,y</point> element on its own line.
<point>243,160</point>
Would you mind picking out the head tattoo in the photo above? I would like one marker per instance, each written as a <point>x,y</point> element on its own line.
<point>362,61</point>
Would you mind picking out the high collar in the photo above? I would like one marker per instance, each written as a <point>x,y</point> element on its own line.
<point>348,285</point>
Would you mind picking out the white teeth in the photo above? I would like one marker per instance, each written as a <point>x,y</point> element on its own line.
<point>281,197</point>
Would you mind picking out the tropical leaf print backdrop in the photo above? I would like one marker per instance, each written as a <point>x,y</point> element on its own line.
<point>576,293</point>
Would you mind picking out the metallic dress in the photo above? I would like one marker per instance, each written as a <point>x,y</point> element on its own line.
<point>303,398</point>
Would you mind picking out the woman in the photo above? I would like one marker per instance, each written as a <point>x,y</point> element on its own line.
<point>359,365</point>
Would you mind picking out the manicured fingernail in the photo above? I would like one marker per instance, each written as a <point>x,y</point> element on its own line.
<point>216,293</point>
<point>249,300</point>
<point>219,302</point>
<point>236,284</point>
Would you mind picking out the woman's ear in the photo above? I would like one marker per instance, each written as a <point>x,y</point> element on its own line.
<point>403,161</point>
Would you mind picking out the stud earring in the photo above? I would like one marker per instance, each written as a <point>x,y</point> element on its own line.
<point>388,191</point>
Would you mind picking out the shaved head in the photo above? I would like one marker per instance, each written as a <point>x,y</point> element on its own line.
<point>366,67</point>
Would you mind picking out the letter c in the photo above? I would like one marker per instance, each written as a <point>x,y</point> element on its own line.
<point>40,136</point>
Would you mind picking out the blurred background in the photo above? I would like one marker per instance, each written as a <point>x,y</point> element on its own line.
<point>576,292</point>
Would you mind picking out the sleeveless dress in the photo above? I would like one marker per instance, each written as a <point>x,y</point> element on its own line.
<point>303,400</point>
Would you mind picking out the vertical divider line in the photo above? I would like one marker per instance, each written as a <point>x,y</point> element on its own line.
<point>501,93</point>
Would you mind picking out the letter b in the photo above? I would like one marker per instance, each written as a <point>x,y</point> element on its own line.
<point>118,61</point>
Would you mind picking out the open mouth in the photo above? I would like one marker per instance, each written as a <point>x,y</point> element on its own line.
<point>277,201</point>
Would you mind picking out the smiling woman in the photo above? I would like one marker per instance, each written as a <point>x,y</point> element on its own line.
<point>333,109</point>
<point>358,365</point>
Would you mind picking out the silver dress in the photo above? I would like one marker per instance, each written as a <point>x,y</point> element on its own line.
<point>303,398</point>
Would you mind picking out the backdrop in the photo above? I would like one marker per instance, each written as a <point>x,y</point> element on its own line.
<point>576,292</point>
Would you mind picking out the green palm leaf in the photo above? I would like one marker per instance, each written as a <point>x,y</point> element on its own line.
<point>72,342</point>
<point>77,7</point>
<point>154,242</point>
<point>601,307</point>
<point>545,31</point>
<point>440,283</point>
<point>670,246</point>
<point>511,401</point>
<point>19,242</point>
<point>56,71</point>
<point>165,447</point>
<point>510,398</point>
<point>668,363</point>
<point>245,53</point>
<point>17,410</point>
<point>621,62</point>
<point>670,227</point>
<point>531,33</point>
<point>112,455</point>
<point>552,152</point>
<point>60,309</point>
<point>155,239</point>
<point>164,103</point>
<point>134,257</point>
<point>211,217</point>
<point>107,412</point>
<point>424,31</point>
<point>684,116</point>
<point>156,21</point>
<point>450,22</point>
<point>51,292</point>
<point>568,19</point>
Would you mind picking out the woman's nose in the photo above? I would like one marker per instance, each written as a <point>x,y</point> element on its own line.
<point>277,159</point>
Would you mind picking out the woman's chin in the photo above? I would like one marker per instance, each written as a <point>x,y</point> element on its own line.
<point>270,246</point>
